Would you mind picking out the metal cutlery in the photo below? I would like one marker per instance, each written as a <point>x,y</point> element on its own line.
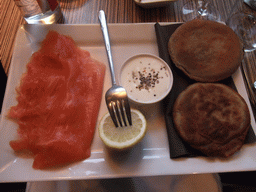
<point>116,97</point>
<point>251,4</point>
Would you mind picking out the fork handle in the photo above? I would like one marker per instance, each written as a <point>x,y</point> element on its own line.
<point>104,29</point>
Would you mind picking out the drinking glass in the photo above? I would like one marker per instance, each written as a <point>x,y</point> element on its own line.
<point>40,11</point>
<point>243,21</point>
<point>201,9</point>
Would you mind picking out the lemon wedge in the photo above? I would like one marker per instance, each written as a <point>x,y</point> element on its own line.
<point>121,138</point>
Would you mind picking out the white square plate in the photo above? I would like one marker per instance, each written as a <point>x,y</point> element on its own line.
<point>153,3</point>
<point>150,157</point>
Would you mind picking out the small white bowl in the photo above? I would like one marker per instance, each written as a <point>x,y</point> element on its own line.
<point>146,78</point>
<point>153,3</point>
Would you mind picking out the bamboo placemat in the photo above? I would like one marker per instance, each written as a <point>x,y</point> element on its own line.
<point>10,21</point>
<point>84,11</point>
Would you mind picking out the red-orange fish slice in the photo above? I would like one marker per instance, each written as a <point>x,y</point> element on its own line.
<point>58,103</point>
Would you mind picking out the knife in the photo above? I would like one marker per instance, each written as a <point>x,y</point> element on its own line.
<point>251,4</point>
<point>250,87</point>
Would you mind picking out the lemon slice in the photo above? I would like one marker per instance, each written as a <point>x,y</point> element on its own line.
<point>121,138</point>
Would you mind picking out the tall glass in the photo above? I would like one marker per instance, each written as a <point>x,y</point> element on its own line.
<point>40,11</point>
<point>243,21</point>
<point>201,9</point>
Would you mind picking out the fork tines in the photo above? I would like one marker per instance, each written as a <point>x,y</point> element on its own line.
<point>120,112</point>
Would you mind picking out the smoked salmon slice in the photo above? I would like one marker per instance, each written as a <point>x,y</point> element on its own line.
<point>58,103</point>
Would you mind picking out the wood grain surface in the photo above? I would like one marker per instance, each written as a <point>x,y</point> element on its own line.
<point>86,11</point>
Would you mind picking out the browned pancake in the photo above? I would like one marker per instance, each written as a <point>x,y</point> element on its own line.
<point>212,118</point>
<point>206,51</point>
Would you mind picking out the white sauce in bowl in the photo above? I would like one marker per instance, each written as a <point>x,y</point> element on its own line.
<point>146,78</point>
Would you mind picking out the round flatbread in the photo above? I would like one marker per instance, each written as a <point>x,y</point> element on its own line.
<point>212,118</point>
<point>206,51</point>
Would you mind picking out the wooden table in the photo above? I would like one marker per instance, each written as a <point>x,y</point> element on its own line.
<point>86,11</point>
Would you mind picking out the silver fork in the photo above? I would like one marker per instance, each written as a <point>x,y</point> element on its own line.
<point>116,96</point>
